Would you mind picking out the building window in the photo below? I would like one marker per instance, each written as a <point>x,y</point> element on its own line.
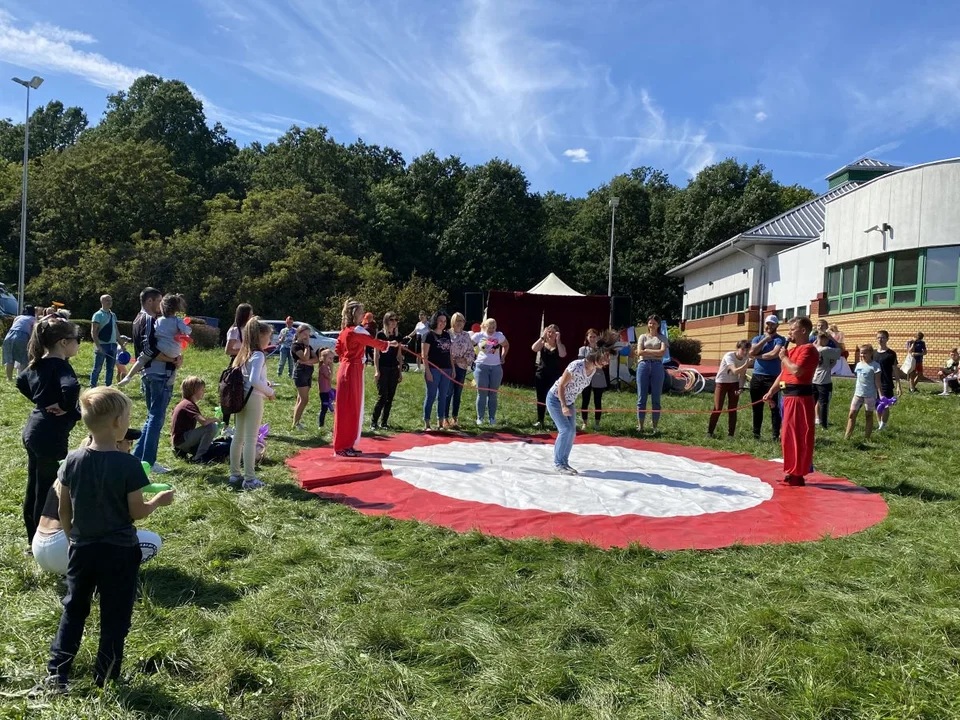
<point>735,302</point>
<point>930,276</point>
<point>802,311</point>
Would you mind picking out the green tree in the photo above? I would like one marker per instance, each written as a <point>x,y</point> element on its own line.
<point>493,242</point>
<point>52,128</point>
<point>168,113</point>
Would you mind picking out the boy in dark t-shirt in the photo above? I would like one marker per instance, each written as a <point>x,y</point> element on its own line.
<point>889,372</point>
<point>101,494</point>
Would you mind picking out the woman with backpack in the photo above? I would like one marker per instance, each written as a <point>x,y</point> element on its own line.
<point>351,348</point>
<point>252,364</point>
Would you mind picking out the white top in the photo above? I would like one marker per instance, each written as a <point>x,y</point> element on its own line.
<point>255,375</point>
<point>165,331</point>
<point>579,380</point>
<point>728,365</point>
<point>422,329</point>
<point>489,347</point>
<point>599,378</point>
<point>233,334</point>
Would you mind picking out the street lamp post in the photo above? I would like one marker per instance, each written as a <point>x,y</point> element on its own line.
<point>33,83</point>
<point>614,201</point>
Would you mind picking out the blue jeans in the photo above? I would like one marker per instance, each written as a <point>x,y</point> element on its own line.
<point>157,396</point>
<point>454,393</point>
<point>108,353</point>
<point>437,390</point>
<point>285,359</point>
<point>649,380</point>
<point>488,379</point>
<point>566,430</point>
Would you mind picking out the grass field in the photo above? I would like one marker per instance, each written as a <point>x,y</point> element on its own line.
<point>274,604</point>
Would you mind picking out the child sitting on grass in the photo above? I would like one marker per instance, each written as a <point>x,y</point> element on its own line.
<point>866,391</point>
<point>168,331</point>
<point>101,495</point>
<point>191,432</point>
<point>324,377</point>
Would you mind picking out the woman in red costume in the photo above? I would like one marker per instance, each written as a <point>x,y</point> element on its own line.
<point>351,346</point>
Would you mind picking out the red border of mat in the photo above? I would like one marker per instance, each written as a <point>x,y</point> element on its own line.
<point>827,506</point>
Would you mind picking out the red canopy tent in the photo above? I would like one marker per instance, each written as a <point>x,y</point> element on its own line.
<point>521,316</point>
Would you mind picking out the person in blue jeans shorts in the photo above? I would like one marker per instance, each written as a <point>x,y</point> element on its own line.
<point>103,331</point>
<point>437,369</point>
<point>285,343</point>
<point>488,372</point>
<point>562,397</point>
<point>651,347</point>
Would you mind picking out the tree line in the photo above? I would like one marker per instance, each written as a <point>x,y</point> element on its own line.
<point>155,195</point>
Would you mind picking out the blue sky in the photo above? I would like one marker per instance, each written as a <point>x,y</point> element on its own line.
<point>574,92</point>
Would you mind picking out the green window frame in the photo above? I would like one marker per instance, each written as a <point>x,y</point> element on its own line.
<point>907,278</point>
<point>715,307</point>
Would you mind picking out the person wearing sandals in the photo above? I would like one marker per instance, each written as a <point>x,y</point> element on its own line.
<point>462,354</point>
<point>493,349</point>
<point>597,385</point>
<point>562,396</point>
<point>351,348</point>
<point>651,347</point>
<point>550,351</point>
<point>305,358</point>
<point>437,369</point>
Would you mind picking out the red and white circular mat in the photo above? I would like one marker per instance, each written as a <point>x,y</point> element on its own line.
<point>667,497</point>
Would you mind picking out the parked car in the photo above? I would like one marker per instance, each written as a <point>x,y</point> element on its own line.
<point>318,341</point>
<point>8,303</point>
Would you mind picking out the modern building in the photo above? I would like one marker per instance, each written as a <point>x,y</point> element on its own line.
<point>880,249</point>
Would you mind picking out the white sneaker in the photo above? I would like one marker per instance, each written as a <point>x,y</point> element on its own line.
<point>159,469</point>
<point>538,426</point>
<point>817,423</point>
<point>880,427</point>
<point>479,422</point>
<point>566,470</point>
<point>944,394</point>
<point>299,426</point>
<point>252,484</point>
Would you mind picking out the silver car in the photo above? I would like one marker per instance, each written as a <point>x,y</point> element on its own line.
<point>318,341</point>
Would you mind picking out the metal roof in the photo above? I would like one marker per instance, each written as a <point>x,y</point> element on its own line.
<point>864,164</point>
<point>804,221</point>
<point>800,224</point>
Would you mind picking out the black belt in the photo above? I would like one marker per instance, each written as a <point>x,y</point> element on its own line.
<point>791,390</point>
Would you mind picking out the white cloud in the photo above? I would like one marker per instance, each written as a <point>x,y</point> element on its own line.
<point>48,47</point>
<point>760,116</point>
<point>577,155</point>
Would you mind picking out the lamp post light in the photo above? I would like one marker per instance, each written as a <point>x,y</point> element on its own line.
<point>614,201</point>
<point>31,84</point>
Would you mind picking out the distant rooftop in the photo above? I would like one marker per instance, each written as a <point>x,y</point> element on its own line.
<point>862,170</point>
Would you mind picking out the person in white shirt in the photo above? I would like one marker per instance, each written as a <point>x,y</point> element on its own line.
<point>562,396</point>
<point>488,371</point>
<point>419,332</point>
<point>251,360</point>
<point>823,376</point>
<point>866,392</point>
<point>728,385</point>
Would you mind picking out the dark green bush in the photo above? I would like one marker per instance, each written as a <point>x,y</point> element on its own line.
<point>686,350</point>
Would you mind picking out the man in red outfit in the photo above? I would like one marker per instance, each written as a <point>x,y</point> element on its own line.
<point>796,385</point>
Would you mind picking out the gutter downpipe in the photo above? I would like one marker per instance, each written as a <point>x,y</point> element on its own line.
<point>763,275</point>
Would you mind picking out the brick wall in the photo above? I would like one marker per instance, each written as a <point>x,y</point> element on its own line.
<point>940,328</point>
<point>719,335</point>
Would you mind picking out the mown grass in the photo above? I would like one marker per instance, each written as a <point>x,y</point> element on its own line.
<point>274,604</point>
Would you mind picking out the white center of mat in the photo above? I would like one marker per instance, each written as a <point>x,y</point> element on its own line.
<point>612,480</point>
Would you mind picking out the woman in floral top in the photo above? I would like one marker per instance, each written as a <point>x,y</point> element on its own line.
<point>462,354</point>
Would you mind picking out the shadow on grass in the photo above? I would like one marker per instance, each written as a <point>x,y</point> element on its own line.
<point>171,587</point>
<point>908,489</point>
<point>289,491</point>
<point>352,502</point>
<point>151,701</point>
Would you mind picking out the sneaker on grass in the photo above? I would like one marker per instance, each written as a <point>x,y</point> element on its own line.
<point>252,484</point>
<point>159,469</point>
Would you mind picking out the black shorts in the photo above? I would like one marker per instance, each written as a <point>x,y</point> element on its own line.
<point>303,375</point>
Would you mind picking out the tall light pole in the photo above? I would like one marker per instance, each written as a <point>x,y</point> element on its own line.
<point>33,83</point>
<point>614,201</point>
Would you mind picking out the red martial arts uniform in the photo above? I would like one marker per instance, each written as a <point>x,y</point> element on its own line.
<point>348,413</point>
<point>797,431</point>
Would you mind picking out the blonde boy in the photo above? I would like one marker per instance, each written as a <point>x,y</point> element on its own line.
<point>101,494</point>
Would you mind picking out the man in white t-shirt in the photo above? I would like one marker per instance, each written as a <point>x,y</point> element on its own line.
<point>419,332</point>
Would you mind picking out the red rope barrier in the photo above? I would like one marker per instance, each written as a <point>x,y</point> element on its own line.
<point>527,400</point>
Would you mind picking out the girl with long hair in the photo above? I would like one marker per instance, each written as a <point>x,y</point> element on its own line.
<point>305,358</point>
<point>351,348</point>
<point>252,362</point>
<point>437,369</point>
<point>597,385</point>
<point>235,333</point>
<point>550,353</point>
<point>52,386</point>
<point>651,348</point>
